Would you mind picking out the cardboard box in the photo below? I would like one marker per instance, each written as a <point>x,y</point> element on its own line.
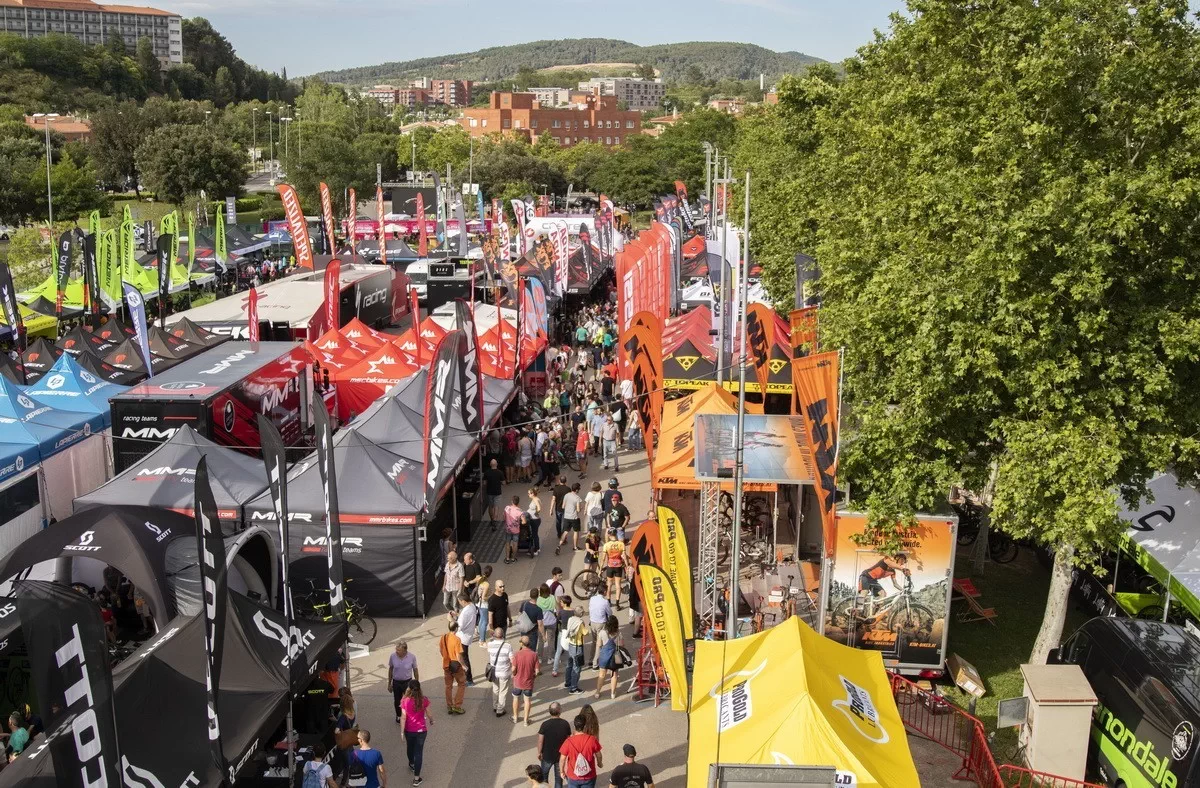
<point>965,676</point>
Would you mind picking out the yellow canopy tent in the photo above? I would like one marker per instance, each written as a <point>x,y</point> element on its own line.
<point>673,467</point>
<point>790,696</point>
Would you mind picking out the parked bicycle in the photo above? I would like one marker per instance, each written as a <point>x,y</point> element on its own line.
<point>314,605</point>
<point>1002,548</point>
<point>902,614</point>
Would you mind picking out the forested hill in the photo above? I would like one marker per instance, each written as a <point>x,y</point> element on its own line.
<point>690,61</point>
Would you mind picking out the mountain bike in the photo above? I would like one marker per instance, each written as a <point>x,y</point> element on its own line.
<point>1002,548</point>
<point>903,615</point>
<point>586,583</point>
<point>314,604</point>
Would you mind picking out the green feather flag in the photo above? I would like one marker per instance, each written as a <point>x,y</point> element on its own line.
<point>191,223</point>
<point>220,242</point>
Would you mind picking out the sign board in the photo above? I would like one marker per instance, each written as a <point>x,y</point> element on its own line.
<point>723,775</point>
<point>231,210</point>
<point>775,449</point>
<point>471,188</point>
<point>441,269</point>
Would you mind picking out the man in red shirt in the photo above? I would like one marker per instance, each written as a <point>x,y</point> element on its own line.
<point>524,668</point>
<point>579,757</point>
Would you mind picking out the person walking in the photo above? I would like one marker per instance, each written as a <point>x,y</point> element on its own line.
<point>453,672</point>
<point>513,515</point>
<point>370,760</point>
<point>599,611</point>
<point>557,494</point>
<point>316,772</point>
<point>524,673</point>
<point>596,427</point>
<point>402,668</point>
<point>416,725</point>
<point>573,637</point>
<point>535,776</point>
<point>572,508</point>
<point>468,623</point>
<point>609,432</point>
<point>594,505</point>
<point>529,618</point>
<point>631,774</point>
<point>581,449</point>
<point>591,723</point>
<point>608,642</point>
<point>452,581</point>
<point>551,735</point>
<point>548,636</point>
<point>500,655</point>
<point>525,457</point>
<point>471,573</point>
<point>533,514</point>
<point>618,515</point>
<point>498,615</point>
<point>613,557</point>
<point>561,643</point>
<point>580,758</point>
<point>484,587</point>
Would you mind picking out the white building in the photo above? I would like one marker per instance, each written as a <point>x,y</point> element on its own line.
<point>93,24</point>
<point>637,94</point>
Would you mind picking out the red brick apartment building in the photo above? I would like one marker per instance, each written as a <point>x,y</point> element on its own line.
<point>598,120</point>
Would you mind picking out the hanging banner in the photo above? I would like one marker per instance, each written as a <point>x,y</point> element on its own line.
<point>505,241</point>
<point>72,681</point>
<point>62,271</point>
<point>333,294</point>
<point>191,224</point>
<point>414,308</point>
<point>816,379</point>
<point>333,521</point>
<point>352,209</point>
<point>275,459</point>
<point>422,229</point>
<point>538,310</point>
<point>660,608</point>
<point>91,289</point>
<point>685,209</point>
<point>210,547</point>
<point>461,217</point>
<point>519,212</point>
<point>163,252</point>
<point>110,268</point>
<point>803,323</point>
<point>439,398</point>
<point>381,236</point>
<point>677,564</point>
<point>327,215</point>
<point>470,379</point>
<point>252,327</point>
<point>8,299</point>
<point>642,347</point>
<point>136,307</point>
<point>297,226</point>
<point>760,330</point>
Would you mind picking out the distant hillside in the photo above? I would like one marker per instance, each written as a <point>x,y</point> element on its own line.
<point>713,60</point>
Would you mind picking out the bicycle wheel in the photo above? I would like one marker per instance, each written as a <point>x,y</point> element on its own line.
<point>967,535</point>
<point>568,458</point>
<point>1002,547</point>
<point>586,583</point>
<point>842,613</point>
<point>911,619</point>
<point>362,630</point>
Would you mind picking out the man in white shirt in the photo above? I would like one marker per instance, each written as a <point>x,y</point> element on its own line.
<point>627,389</point>
<point>572,506</point>
<point>468,616</point>
<point>500,658</point>
<point>599,610</point>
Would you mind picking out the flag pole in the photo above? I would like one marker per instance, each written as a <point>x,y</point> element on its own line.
<point>739,467</point>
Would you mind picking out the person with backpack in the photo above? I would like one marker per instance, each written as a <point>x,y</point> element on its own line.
<point>316,773</point>
<point>580,758</point>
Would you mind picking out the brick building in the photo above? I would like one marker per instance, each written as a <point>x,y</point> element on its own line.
<point>93,24</point>
<point>412,97</point>
<point>597,120</point>
<point>384,94</point>
<point>69,127</point>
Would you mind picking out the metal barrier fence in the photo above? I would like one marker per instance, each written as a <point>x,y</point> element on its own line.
<point>945,724</point>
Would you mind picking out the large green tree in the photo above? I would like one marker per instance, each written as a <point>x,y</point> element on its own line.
<point>178,160</point>
<point>1007,197</point>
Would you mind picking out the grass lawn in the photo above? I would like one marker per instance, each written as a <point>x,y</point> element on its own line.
<point>1017,591</point>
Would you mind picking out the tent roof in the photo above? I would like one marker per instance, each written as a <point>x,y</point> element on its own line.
<point>105,371</point>
<point>375,486</point>
<point>15,458</point>
<point>128,356</point>
<point>70,387</point>
<point>190,332</point>
<point>164,343</point>
<point>39,356</point>
<point>25,421</point>
<point>1167,530</point>
<point>80,339</point>
<point>674,462</point>
<point>363,335</point>
<point>165,478</point>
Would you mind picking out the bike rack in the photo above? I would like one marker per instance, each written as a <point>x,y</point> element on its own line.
<point>710,533</point>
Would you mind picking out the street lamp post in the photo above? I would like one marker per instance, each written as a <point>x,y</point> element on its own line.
<point>271,146</point>
<point>299,139</point>
<point>287,133</point>
<point>207,116</point>
<point>254,139</point>
<point>48,116</point>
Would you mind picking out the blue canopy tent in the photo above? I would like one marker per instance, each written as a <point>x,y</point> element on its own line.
<point>24,421</point>
<point>70,387</point>
<point>16,457</point>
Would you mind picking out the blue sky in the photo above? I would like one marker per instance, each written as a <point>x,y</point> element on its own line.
<point>312,35</point>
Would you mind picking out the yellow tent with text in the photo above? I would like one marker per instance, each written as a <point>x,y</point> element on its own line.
<point>791,696</point>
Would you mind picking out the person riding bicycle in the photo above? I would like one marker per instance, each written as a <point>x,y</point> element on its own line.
<point>868,581</point>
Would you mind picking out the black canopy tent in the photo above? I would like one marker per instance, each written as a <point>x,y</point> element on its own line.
<point>160,697</point>
<point>127,357</point>
<point>193,334</point>
<point>38,357</point>
<point>165,478</point>
<point>80,340</point>
<point>164,343</point>
<point>139,541</point>
<point>105,371</point>
<point>397,251</point>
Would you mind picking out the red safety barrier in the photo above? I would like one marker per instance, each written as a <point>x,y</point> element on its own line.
<point>943,723</point>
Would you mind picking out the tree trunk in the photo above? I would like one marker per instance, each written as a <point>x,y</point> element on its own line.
<point>1050,634</point>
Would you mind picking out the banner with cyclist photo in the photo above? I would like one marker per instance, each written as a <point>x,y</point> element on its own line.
<point>897,603</point>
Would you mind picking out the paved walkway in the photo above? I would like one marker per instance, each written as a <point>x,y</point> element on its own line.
<point>479,749</point>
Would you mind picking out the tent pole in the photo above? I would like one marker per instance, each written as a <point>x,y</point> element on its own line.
<point>1167,601</point>
<point>739,469</point>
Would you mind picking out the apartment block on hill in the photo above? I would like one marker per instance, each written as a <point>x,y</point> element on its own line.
<point>93,23</point>
<point>637,94</point>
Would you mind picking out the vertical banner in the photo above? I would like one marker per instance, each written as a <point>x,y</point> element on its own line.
<point>381,236</point>
<point>252,327</point>
<point>562,253</point>
<point>440,199</point>
<point>505,237</point>
<point>461,217</point>
<point>803,324</point>
<point>275,458</point>
<point>91,288</point>
<point>422,230</point>
<point>677,565</point>
<point>62,271</point>
<point>135,306</point>
<point>414,309</point>
<point>333,294</point>
<point>210,547</point>
<point>759,328</point>
<point>163,250</point>
<point>522,243</point>
<point>585,243</point>
<point>816,377</point>
<point>333,520</point>
<point>479,208</point>
<point>110,268</point>
<point>219,247</point>
<point>297,226</point>
<point>439,398</point>
<point>642,343</point>
<point>644,548</point>
<point>327,215</point>
<point>352,223</point>
<point>470,378</point>
<point>662,616</point>
<point>191,227</point>
<point>68,654</point>
<point>543,208</point>
<point>12,313</point>
<point>685,209</point>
